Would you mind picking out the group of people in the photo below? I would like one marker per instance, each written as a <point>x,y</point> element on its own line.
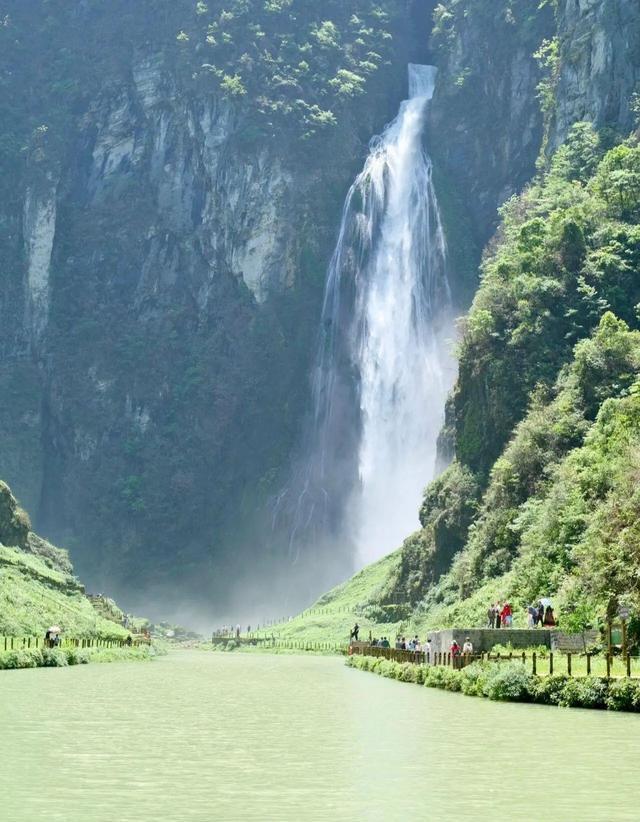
<point>404,644</point>
<point>229,631</point>
<point>52,638</point>
<point>456,650</point>
<point>383,642</point>
<point>500,615</point>
<point>540,615</point>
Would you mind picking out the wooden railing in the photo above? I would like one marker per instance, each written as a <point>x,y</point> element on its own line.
<point>11,643</point>
<point>574,665</point>
<point>288,644</point>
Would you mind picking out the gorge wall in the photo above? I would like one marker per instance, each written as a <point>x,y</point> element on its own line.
<point>169,204</point>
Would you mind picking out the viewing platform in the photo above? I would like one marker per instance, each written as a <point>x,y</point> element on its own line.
<point>485,639</point>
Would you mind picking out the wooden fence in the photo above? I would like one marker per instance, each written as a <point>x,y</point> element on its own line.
<point>11,643</point>
<point>289,644</point>
<point>575,665</point>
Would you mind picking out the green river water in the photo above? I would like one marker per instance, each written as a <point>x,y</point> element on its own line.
<point>204,736</point>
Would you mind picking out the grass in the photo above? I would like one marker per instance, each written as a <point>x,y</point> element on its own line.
<point>34,596</point>
<point>331,618</point>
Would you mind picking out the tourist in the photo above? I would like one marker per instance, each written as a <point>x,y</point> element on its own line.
<point>540,613</point>
<point>549,618</point>
<point>427,649</point>
<point>455,653</point>
<point>467,648</point>
<point>403,644</point>
<point>385,642</point>
<point>237,632</point>
<point>416,644</point>
<point>411,646</point>
<point>506,615</point>
<point>498,610</point>
<point>398,643</point>
<point>491,616</point>
<point>129,640</point>
<point>532,616</point>
<point>354,632</point>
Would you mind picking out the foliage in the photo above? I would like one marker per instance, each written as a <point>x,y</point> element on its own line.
<point>448,508</point>
<point>61,657</point>
<point>623,695</point>
<point>587,692</point>
<point>298,62</point>
<point>510,682</point>
<point>562,260</point>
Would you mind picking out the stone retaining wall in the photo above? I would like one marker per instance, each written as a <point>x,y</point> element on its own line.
<point>484,639</point>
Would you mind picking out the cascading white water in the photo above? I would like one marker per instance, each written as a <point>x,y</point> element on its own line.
<point>384,365</point>
<point>403,321</point>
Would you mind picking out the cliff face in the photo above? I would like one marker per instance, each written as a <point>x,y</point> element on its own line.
<point>599,64</point>
<point>162,276</point>
<point>486,125</point>
<point>513,78</point>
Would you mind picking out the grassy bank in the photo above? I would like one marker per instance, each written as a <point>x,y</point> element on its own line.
<point>330,619</point>
<point>34,595</point>
<point>510,682</point>
<point>61,657</point>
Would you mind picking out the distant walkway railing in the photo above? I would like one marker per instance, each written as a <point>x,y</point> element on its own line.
<point>571,664</point>
<point>288,644</point>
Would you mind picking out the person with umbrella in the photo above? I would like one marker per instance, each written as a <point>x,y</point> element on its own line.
<point>52,637</point>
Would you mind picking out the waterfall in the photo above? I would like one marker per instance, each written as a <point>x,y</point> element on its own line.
<point>383,366</point>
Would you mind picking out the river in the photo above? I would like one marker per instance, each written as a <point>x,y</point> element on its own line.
<point>204,736</point>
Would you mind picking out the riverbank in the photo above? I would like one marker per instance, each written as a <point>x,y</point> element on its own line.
<point>510,682</point>
<point>62,657</point>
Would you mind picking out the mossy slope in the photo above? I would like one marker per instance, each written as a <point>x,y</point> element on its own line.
<point>37,585</point>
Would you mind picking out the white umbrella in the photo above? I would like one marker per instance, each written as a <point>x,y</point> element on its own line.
<point>55,629</point>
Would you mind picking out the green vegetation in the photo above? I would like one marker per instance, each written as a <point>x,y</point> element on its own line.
<point>61,657</point>
<point>38,589</point>
<point>331,618</point>
<point>510,682</point>
<point>299,63</point>
<point>34,596</point>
